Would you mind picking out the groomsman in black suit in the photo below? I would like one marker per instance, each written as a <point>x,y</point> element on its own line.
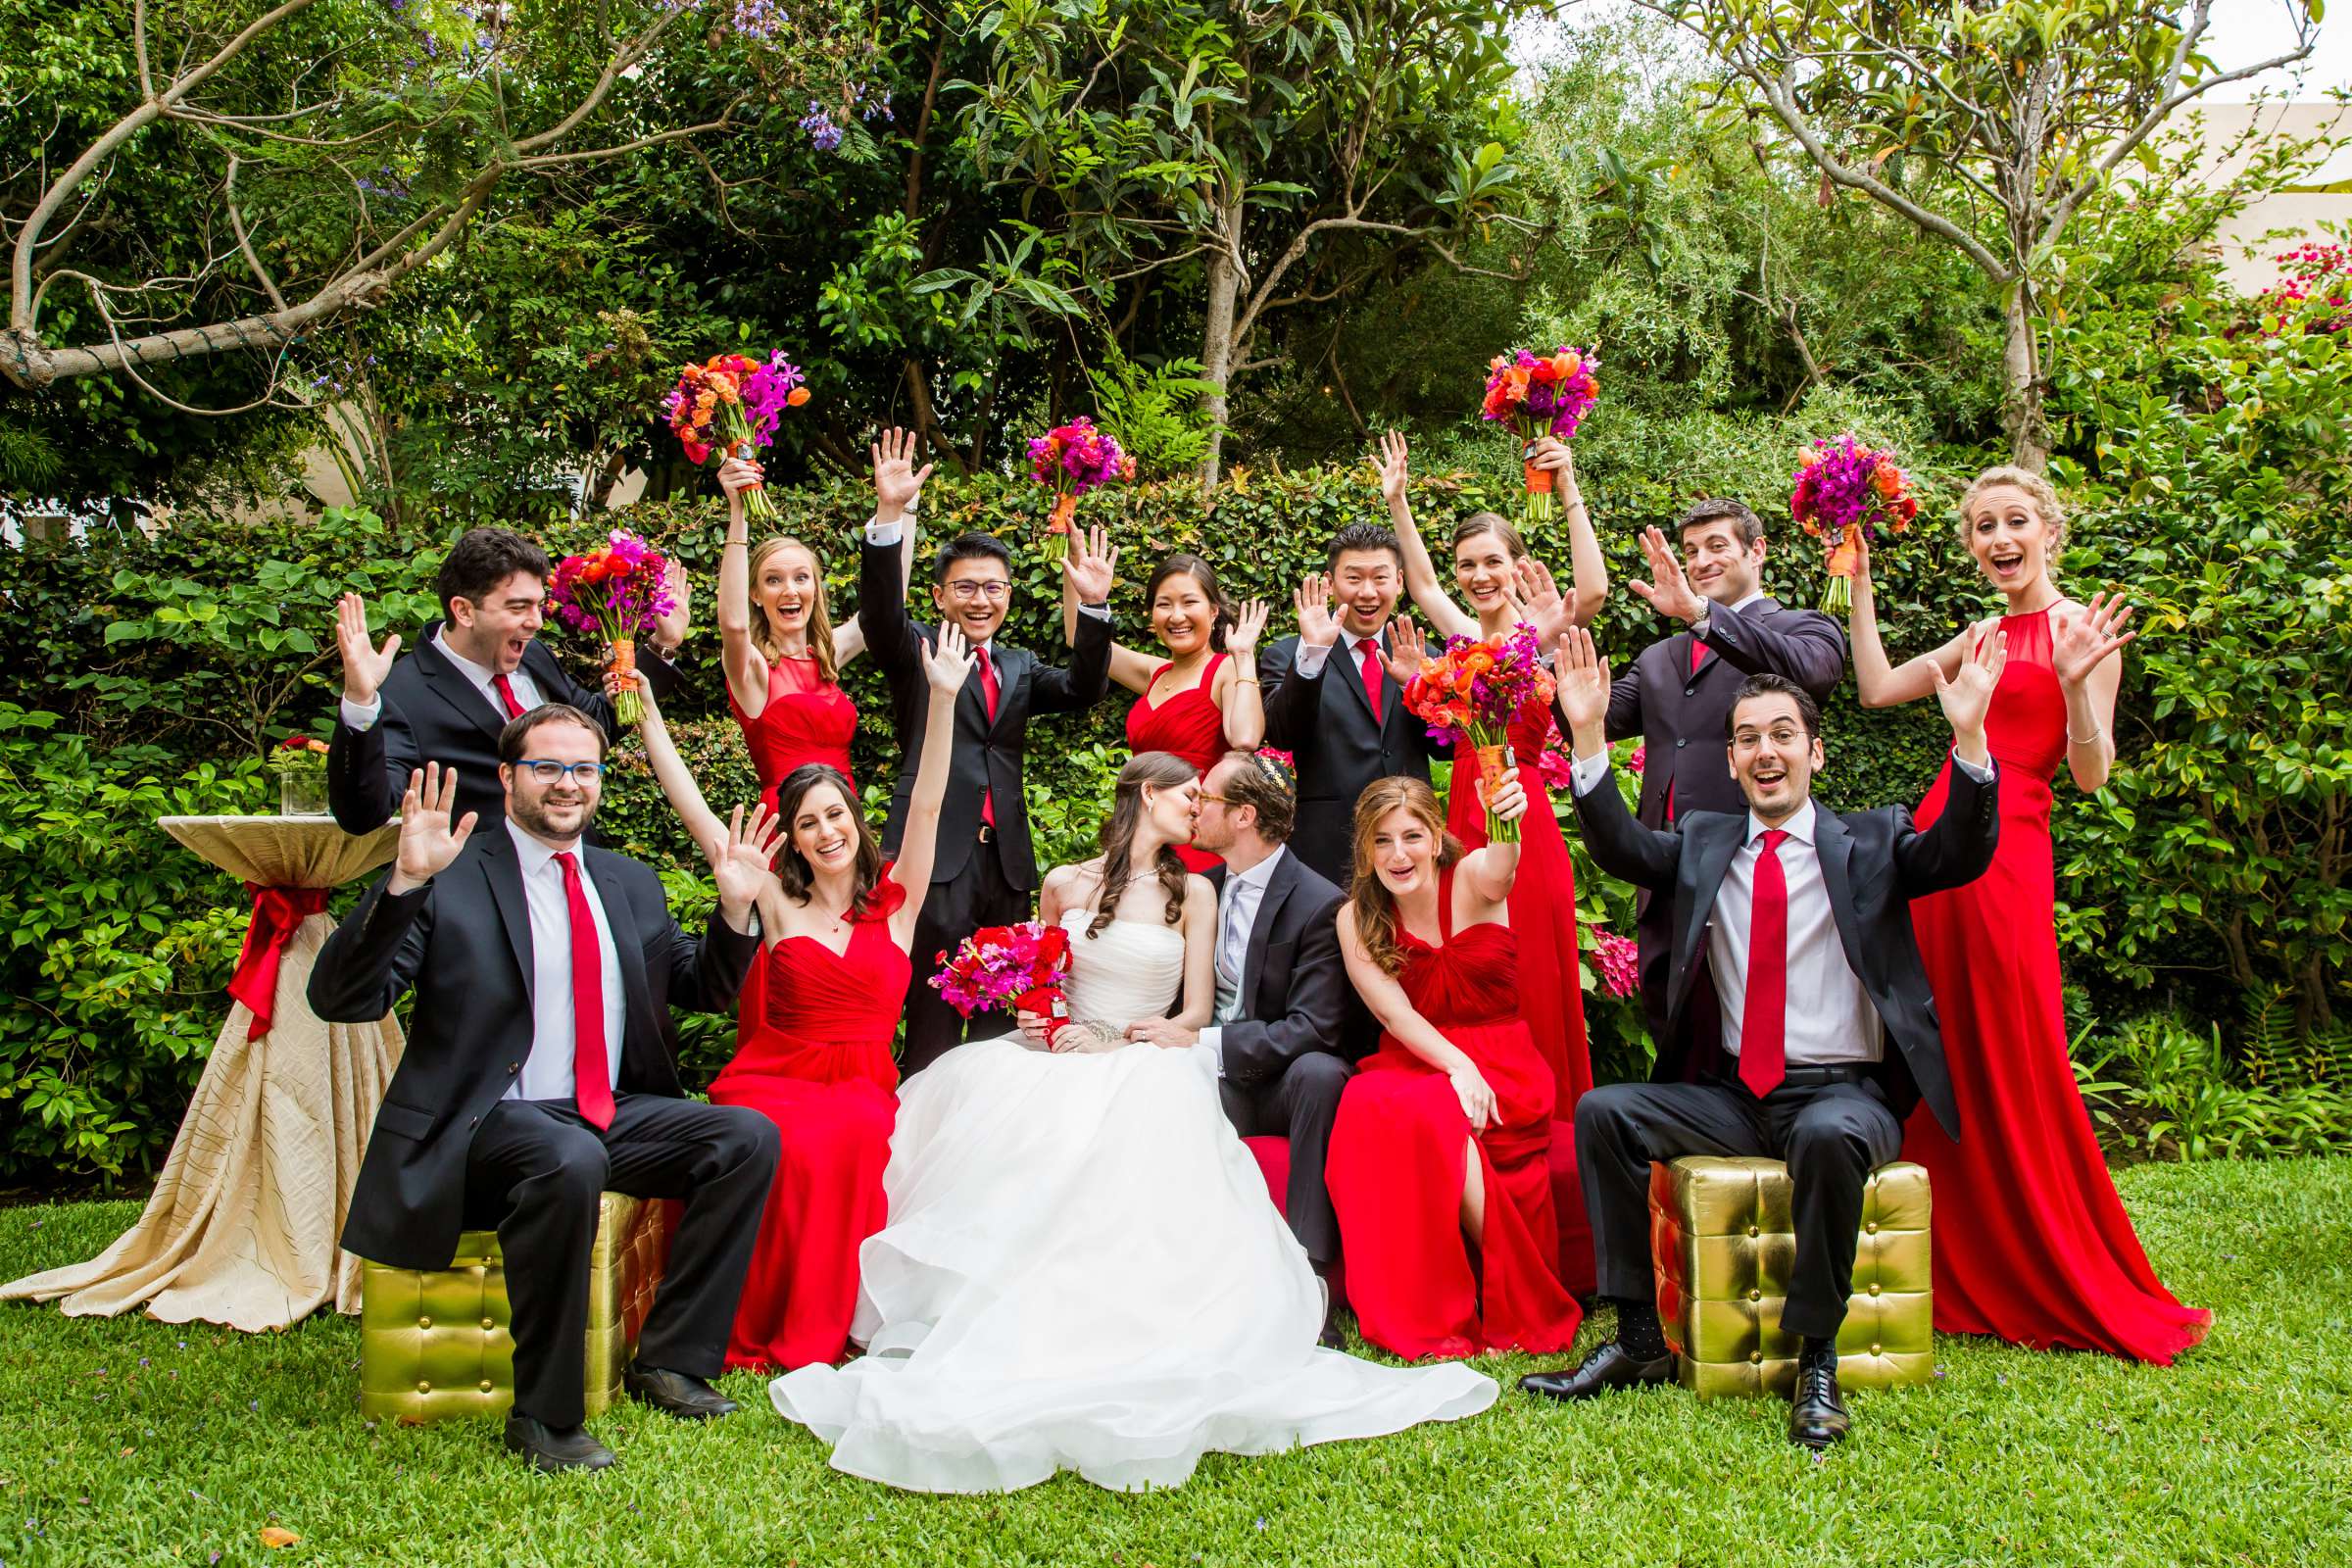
<point>986,872</point>
<point>1680,689</point>
<point>540,1071</point>
<point>1332,701</point>
<point>1804,921</point>
<point>471,674</point>
<point>1282,988</point>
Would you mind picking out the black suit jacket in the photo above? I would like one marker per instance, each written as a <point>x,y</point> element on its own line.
<point>1680,716</point>
<point>1325,725</point>
<point>1294,996</point>
<point>986,756</point>
<point>1872,864</point>
<point>463,942</point>
<point>432,713</point>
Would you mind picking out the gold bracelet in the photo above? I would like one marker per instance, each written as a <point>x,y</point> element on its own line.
<point>1245,680</point>
<point>2092,739</point>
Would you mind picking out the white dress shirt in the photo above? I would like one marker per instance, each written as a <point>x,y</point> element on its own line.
<point>1238,904</point>
<point>526,691</point>
<point>547,1073</point>
<point>1833,1019</point>
<point>1309,662</point>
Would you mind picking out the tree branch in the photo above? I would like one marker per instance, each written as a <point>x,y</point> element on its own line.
<point>236,222</point>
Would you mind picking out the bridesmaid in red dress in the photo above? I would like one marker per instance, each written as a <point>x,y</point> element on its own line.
<point>2040,1250</point>
<point>1504,585</point>
<point>783,655</point>
<point>1443,1134</point>
<point>1202,700</point>
<point>837,923</point>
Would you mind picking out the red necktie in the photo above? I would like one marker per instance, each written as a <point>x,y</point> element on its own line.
<point>505,696</point>
<point>1764,1015</point>
<point>592,1077</point>
<point>987,694</point>
<point>1371,676</point>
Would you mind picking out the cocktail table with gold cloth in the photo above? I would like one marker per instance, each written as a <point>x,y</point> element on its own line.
<point>436,1346</point>
<point>1722,1247</point>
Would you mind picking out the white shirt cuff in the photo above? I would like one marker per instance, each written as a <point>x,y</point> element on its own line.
<point>1098,612</point>
<point>359,719</point>
<point>1586,771</point>
<point>884,533</point>
<point>1982,775</point>
<point>1212,1040</point>
<point>1309,662</point>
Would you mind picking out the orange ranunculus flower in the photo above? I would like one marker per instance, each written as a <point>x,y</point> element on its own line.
<point>1498,362</point>
<point>796,396</point>
<point>1888,479</point>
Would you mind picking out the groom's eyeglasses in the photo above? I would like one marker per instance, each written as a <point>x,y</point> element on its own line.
<point>968,589</point>
<point>553,773</point>
<point>1221,799</point>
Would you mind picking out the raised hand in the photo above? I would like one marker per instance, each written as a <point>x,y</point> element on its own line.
<point>740,477</point>
<point>740,858</point>
<point>1092,564</point>
<point>1405,650</point>
<point>1540,600</point>
<point>1552,453</point>
<point>1582,680</point>
<point>1507,800</point>
<point>427,841</point>
<point>1389,461</point>
<point>1248,625</point>
<point>949,660</point>
<point>1968,697</point>
<point>669,630</point>
<point>1668,591</point>
<point>2082,639</point>
<point>645,696</point>
<point>897,480</point>
<point>365,665</point>
<point>1312,601</point>
<point>1478,1099</point>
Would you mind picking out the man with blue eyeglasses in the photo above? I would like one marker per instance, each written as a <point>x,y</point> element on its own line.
<point>541,1069</point>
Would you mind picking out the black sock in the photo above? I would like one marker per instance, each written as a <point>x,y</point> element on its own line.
<point>1638,1330</point>
<point>1817,1348</point>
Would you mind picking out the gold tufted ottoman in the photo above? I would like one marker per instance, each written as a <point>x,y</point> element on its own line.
<point>1721,1246</point>
<point>435,1346</point>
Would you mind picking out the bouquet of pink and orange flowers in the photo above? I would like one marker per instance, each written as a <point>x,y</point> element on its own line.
<point>1844,489</point>
<point>735,402</point>
<point>1018,967</point>
<point>1477,689</point>
<point>617,591</point>
<point>1073,458</point>
<point>1536,398</point>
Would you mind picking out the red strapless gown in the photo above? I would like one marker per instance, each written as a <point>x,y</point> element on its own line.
<point>1551,996</point>
<point>2032,1243</point>
<point>1189,725</point>
<point>817,1063</point>
<point>806,718</point>
<point>1395,1168</point>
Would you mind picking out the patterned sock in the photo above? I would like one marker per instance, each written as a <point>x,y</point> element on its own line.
<point>1638,1330</point>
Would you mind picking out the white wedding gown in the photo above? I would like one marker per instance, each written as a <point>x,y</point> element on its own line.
<point>1083,1271</point>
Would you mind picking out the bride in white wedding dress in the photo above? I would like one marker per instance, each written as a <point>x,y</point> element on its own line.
<point>1083,1269</point>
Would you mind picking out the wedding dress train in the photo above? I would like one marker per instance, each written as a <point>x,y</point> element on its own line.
<point>1083,1271</point>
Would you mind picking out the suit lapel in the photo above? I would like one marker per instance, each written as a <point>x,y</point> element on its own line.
<point>1285,877</point>
<point>1351,674</point>
<point>449,683</point>
<point>1720,836</point>
<point>1835,847</point>
<point>503,871</point>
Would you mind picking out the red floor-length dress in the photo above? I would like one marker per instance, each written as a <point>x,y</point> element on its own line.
<point>2032,1243</point>
<point>1395,1167</point>
<point>1551,996</point>
<point>818,1065</point>
<point>806,718</point>
<point>1189,725</point>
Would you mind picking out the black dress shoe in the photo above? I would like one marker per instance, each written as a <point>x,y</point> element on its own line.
<point>1817,1419</point>
<point>675,1394</point>
<point>1610,1367</point>
<point>554,1449</point>
<point>1333,1336</point>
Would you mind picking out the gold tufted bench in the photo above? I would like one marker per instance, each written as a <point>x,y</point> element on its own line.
<point>433,1346</point>
<point>1721,1246</point>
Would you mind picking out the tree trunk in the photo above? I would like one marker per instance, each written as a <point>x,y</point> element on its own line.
<point>1218,350</point>
<point>2022,386</point>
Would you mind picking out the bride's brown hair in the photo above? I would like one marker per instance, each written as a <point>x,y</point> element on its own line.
<point>1160,770</point>
<point>1375,905</point>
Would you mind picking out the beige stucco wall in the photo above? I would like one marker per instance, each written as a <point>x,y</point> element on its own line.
<point>2323,195</point>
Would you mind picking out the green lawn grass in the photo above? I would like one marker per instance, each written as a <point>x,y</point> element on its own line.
<point>134,1441</point>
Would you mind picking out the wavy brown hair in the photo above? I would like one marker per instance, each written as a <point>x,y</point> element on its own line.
<point>1160,770</point>
<point>1375,905</point>
<point>820,618</point>
<point>792,867</point>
